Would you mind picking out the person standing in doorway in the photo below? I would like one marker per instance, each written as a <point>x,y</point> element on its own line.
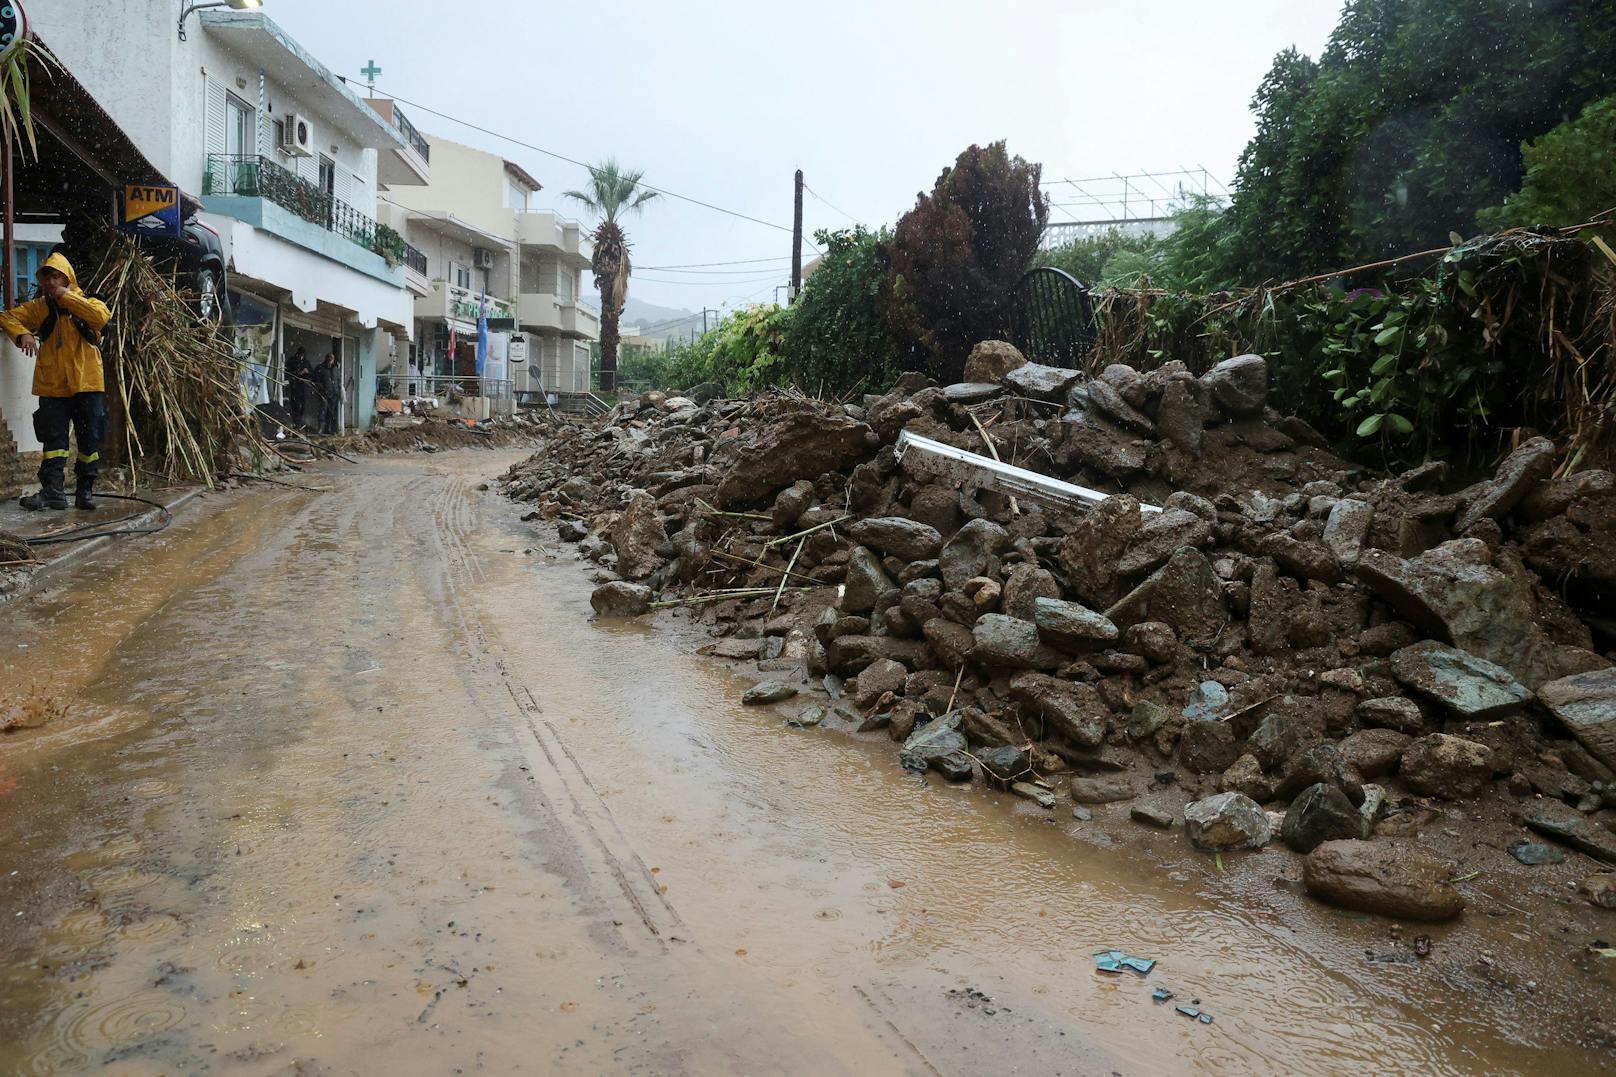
<point>298,373</point>
<point>328,378</point>
<point>61,330</point>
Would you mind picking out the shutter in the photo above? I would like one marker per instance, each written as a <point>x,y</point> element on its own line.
<point>217,115</point>
<point>342,183</point>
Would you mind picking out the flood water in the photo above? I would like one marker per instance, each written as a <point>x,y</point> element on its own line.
<point>350,783</point>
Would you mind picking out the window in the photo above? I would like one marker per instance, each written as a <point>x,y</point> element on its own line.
<point>240,128</point>
<point>460,275</point>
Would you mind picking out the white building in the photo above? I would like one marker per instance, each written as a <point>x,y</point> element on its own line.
<point>478,230</point>
<point>288,163</point>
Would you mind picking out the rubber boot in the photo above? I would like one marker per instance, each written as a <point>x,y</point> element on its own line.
<point>47,498</point>
<point>84,494</point>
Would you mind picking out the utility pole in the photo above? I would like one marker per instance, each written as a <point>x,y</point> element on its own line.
<point>704,312</point>
<point>796,240</point>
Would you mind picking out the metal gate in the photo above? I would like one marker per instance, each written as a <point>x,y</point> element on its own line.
<point>1052,317</point>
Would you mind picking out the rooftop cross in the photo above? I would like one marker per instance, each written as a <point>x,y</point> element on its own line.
<point>370,71</point>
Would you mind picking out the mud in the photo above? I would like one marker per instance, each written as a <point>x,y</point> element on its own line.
<point>348,783</point>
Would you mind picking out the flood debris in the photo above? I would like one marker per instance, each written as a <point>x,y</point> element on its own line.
<point>1147,589</point>
<point>1117,961</point>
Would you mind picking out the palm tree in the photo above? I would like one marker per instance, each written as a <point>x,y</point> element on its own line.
<point>613,192</point>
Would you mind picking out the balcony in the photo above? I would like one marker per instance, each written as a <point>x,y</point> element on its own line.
<point>415,278</point>
<point>406,165</point>
<point>544,310</point>
<point>454,303</point>
<point>550,231</point>
<point>230,180</point>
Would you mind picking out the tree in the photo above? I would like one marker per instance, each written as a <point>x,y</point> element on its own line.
<point>955,258</point>
<point>1570,173</point>
<point>835,337</point>
<point>614,192</point>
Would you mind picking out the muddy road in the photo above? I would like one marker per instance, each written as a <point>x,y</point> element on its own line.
<point>349,783</point>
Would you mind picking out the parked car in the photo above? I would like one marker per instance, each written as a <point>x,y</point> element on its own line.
<point>196,256</point>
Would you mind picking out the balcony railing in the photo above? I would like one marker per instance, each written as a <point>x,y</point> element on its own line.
<point>259,177</point>
<point>411,135</point>
<point>415,259</point>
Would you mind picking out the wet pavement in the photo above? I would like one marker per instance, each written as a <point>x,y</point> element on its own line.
<point>349,783</point>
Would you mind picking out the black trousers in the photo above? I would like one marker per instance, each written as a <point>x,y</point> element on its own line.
<point>86,415</point>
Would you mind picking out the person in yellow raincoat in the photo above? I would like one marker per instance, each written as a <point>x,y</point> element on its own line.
<point>61,329</point>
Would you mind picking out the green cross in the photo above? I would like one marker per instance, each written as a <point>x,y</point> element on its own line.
<point>370,71</point>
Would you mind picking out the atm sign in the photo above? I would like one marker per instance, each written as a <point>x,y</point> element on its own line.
<point>151,209</point>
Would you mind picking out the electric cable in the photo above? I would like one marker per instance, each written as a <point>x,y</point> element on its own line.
<point>82,533</point>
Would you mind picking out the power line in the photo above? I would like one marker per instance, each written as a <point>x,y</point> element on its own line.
<point>843,212</point>
<point>704,265</point>
<point>708,283</point>
<point>573,160</point>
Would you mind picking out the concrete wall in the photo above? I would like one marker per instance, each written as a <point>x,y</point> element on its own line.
<point>466,183</point>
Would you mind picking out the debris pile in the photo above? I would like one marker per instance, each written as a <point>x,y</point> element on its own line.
<point>1247,622</point>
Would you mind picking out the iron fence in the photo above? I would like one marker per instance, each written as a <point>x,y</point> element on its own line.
<point>254,176</point>
<point>415,259</point>
<point>411,135</point>
<point>1052,317</point>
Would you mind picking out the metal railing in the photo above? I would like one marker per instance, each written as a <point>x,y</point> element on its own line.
<point>411,135</point>
<point>253,176</point>
<point>415,259</point>
<point>442,386</point>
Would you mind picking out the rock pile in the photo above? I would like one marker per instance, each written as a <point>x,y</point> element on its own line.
<point>1288,629</point>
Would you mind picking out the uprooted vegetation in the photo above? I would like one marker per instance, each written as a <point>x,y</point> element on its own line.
<point>1249,621</point>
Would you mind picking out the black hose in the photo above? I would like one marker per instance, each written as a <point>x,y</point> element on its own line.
<point>82,532</point>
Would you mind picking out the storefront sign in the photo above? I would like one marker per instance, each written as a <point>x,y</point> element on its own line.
<point>151,210</point>
<point>516,350</point>
<point>13,27</point>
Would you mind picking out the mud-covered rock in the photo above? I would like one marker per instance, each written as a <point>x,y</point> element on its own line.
<point>1207,747</point>
<point>1073,710</point>
<point>1324,764</point>
<point>1378,877</point>
<point>791,503</point>
<point>968,553</point>
<point>1599,890</point>
<point>1274,740</point>
<point>897,536</point>
<point>1392,712</point>
<point>1084,444</point>
<point>1320,813</point>
<point>1011,643</point>
<point>1024,587</point>
<point>635,536</point>
<point>1240,385</point>
<point>1521,471</point>
<point>1070,625</point>
<point>1586,705</point>
<point>866,581</point>
<point>1104,398</point>
<point>1466,685</point>
<point>766,692</point>
<point>1227,821</point>
<point>794,445</point>
<point>1184,593</point>
<point>619,598</point>
<point>1442,765</point>
<point>1347,529</point>
<point>1096,542</point>
<point>1163,534</point>
<point>1180,418</point>
<point>950,641</point>
<point>1374,753</point>
<point>1246,776</point>
<point>991,360</point>
<point>1108,790</point>
<point>1154,641</point>
<point>1570,826</point>
<point>1039,382</point>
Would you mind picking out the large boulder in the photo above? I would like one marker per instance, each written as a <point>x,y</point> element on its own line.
<point>1227,821</point>
<point>1442,765</point>
<point>991,360</point>
<point>1180,419</point>
<point>1585,703</point>
<point>1184,593</point>
<point>1208,747</point>
<point>1240,385</point>
<point>1074,710</point>
<point>1374,753</point>
<point>1390,880</point>
<point>1346,529</point>
<point>1084,444</point>
<point>949,640</point>
<point>1470,687</point>
<point>792,446</point>
<point>938,745</point>
<point>898,537</point>
<point>635,536</point>
<point>1320,813</point>
<point>1521,472</point>
<point>1104,398</point>
<point>966,555</point>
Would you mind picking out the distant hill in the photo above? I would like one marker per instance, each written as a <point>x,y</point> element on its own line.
<point>659,323</point>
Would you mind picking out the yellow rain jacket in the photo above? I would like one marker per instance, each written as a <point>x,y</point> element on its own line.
<point>67,363</point>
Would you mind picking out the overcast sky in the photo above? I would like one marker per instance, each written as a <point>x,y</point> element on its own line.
<point>721,101</point>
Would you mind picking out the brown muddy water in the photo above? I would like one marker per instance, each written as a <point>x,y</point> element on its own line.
<point>349,783</point>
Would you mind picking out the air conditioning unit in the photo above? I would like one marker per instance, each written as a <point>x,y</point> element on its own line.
<point>482,258</point>
<point>297,136</point>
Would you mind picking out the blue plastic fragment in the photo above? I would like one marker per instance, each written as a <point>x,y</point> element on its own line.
<point>1161,994</point>
<point>1195,1012</point>
<point>1117,961</point>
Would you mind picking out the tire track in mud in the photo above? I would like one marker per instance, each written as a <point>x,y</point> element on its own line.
<point>564,781</point>
<point>603,852</point>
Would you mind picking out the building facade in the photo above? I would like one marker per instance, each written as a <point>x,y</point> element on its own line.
<point>289,164</point>
<point>479,232</point>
